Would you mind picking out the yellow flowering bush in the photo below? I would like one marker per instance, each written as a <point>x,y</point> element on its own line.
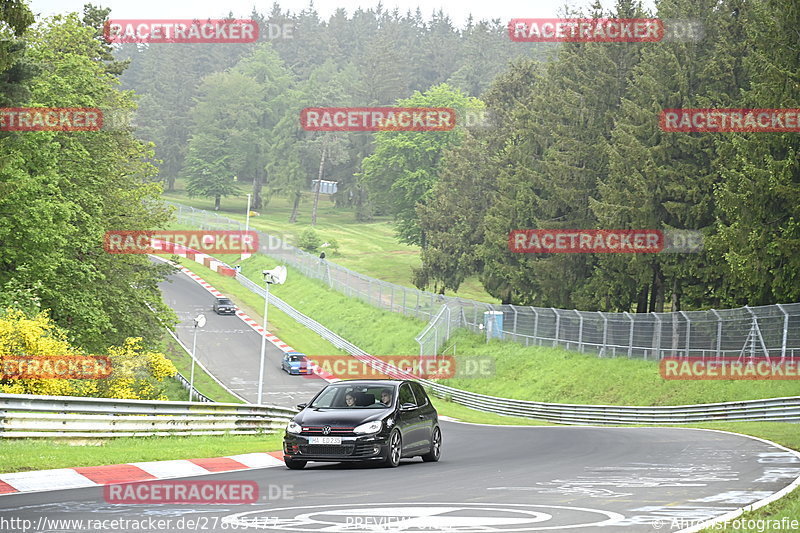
<point>135,372</point>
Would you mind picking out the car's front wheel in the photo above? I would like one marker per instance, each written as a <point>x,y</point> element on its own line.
<point>436,447</point>
<point>294,464</point>
<point>395,451</point>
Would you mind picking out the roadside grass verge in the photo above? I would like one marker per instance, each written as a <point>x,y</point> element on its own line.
<point>536,373</point>
<point>370,248</point>
<point>557,375</point>
<point>280,324</point>
<point>40,454</point>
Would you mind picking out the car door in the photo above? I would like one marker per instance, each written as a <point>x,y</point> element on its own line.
<point>412,423</point>
<point>426,413</point>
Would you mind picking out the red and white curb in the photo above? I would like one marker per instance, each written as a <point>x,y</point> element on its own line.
<point>241,314</point>
<point>94,476</point>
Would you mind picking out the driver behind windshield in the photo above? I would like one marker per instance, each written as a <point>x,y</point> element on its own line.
<point>350,400</point>
<point>386,397</point>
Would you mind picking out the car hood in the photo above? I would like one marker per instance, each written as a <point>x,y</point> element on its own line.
<point>338,417</point>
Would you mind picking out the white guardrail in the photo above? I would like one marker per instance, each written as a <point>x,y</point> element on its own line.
<point>773,409</point>
<point>29,415</point>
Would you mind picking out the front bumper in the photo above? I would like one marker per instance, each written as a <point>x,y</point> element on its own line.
<point>360,448</point>
<point>224,311</point>
<point>300,371</point>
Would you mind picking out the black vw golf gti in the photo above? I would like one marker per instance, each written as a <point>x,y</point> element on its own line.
<point>364,420</point>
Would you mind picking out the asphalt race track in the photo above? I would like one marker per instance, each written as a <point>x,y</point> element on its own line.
<point>231,350</point>
<point>489,479</point>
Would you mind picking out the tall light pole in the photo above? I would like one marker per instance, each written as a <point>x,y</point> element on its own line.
<point>247,225</point>
<point>199,322</point>
<point>276,275</point>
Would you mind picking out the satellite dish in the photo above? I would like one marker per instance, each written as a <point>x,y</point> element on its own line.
<point>200,321</point>
<point>276,276</point>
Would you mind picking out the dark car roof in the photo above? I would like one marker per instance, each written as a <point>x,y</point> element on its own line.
<point>219,299</point>
<point>395,382</point>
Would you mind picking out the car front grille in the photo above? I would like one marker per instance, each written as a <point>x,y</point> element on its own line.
<point>326,449</point>
<point>339,431</point>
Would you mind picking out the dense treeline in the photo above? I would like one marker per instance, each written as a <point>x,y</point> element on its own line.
<point>60,191</point>
<point>578,146</point>
<point>572,141</point>
<point>241,101</point>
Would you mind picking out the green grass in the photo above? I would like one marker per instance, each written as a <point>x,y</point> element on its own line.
<point>203,382</point>
<point>557,375</point>
<point>370,248</point>
<point>39,454</point>
<point>280,324</point>
<point>536,373</point>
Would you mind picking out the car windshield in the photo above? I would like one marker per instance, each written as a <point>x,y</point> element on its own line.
<point>296,358</point>
<point>224,301</point>
<point>353,397</point>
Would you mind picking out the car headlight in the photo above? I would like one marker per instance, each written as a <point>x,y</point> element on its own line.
<point>294,427</point>
<point>370,427</point>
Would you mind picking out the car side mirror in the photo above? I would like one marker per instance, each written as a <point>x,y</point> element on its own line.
<point>301,406</point>
<point>407,407</point>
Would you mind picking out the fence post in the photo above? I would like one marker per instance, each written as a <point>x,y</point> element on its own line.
<point>605,333</point>
<point>658,336</point>
<point>558,325</point>
<point>535,323</point>
<point>630,337</point>
<point>688,331</point>
<point>719,331</point>
<point>448,324</point>
<point>580,330</point>
<point>785,331</point>
<point>515,319</point>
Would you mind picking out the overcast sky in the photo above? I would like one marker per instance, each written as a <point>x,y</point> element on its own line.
<point>458,10</point>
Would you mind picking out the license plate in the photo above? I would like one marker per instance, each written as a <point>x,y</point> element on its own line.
<point>324,440</point>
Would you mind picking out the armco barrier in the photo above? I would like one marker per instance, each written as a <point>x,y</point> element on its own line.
<point>28,415</point>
